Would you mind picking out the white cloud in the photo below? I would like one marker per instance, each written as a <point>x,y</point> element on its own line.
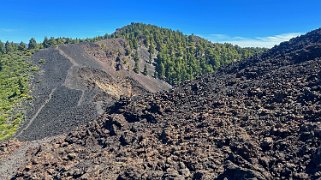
<point>268,41</point>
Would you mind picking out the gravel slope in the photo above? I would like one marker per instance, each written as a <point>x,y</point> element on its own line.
<point>73,88</point>
<point>53,98</point>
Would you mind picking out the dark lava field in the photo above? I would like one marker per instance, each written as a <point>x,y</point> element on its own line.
<point>255,119</point>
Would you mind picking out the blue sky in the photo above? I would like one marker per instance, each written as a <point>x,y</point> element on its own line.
<point>243,22</point>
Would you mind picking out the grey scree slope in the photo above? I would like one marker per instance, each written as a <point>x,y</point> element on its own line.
<point>59,100</point>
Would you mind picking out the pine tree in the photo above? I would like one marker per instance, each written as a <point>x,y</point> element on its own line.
<point>151,49</point>
<point>46,43</point>
<point>136,68</point>
<point>8,47</point>
<point>135,44</point>
<point>145,72</point>
<point>2,49</point>
<point>32,44</point>
<point>14,46</point>
<point>22,46</point>
<point>136,58</point>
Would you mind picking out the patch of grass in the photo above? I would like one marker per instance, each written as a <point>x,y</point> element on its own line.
<point>14,89</point>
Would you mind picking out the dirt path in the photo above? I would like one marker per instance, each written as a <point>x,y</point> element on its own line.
<point>81,99</point>
<point>70,71</point>
<point>73,62</point>
<point>37,113</point>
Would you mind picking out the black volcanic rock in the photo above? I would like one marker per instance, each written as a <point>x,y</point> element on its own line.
<point>256,119</point>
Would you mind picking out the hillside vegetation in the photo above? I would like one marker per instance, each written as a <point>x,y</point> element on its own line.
<point>179,57</point>
<point>14,78</point>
